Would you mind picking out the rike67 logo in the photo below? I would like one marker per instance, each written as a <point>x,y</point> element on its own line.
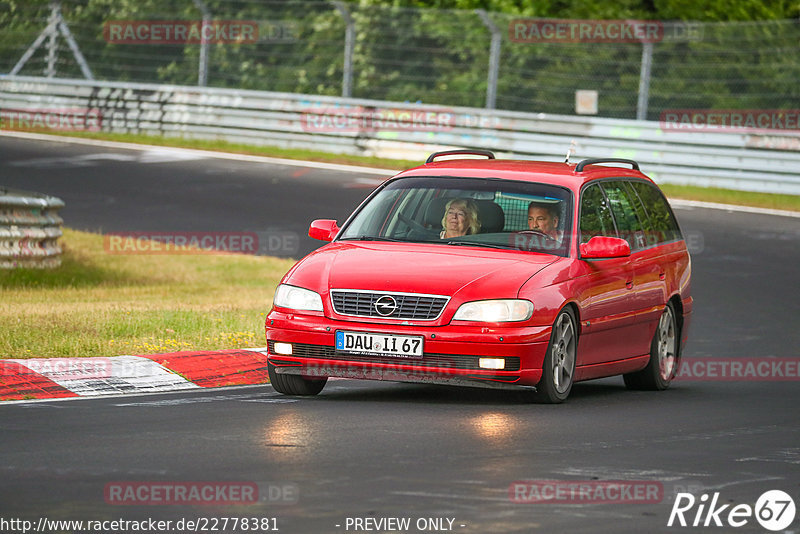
<point>774,510</point>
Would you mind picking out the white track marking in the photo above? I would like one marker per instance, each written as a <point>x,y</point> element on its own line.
<point>110,376</point>
<point>203,153</point>
<point>680,203</point>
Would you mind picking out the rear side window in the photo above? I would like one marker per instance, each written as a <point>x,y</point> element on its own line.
<point>623,209</point>
<point>641,214</point>
<point>664,226</point>
<point>595,214</point>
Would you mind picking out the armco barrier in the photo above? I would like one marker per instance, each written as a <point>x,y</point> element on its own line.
<point>29,229</point>
<point>745,160</point>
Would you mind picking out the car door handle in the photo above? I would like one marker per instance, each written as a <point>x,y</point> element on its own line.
<point>629,284</point>
<point>662,276</point>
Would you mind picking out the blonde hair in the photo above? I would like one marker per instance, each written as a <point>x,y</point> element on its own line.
<point>473,224</point>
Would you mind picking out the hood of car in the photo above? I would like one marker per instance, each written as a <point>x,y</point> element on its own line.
<point>463,273</point>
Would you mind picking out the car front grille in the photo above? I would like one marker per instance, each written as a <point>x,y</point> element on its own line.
<point>388,305</point>
<point>446,361</point>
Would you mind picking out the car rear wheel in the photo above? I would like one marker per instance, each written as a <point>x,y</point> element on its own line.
<point>294,384</point>
<point>558,371</point>
<point>663,362</point>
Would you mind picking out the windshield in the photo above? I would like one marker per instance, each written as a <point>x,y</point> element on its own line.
<point>453,211</point>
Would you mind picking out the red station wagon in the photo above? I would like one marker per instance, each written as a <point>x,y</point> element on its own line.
<point>493,273</point>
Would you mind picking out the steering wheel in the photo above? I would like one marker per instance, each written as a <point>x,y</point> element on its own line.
<point>539,234</point>
<point>416,225</point>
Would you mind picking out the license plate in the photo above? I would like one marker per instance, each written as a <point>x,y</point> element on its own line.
<point>370,343</point>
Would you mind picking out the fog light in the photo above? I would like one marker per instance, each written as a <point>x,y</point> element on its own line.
<point>492,363</point>
<point>283,348</point>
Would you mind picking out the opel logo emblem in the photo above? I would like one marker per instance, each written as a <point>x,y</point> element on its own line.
<point>385,306</point>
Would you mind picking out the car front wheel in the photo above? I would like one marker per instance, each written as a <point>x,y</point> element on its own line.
<point>294,384</point>
<point>558,371</point>
<point>663,362</point>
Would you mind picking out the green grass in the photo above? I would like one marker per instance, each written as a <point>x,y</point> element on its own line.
<point>724,196</point>
<point>727,196</point>
<point>239,148</point>
<point>100,304</point>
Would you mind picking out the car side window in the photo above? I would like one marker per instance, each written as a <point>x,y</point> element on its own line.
<point>665,227</point>
<point>641,213</point>
<point>622,208</point>
<point>595,214</point>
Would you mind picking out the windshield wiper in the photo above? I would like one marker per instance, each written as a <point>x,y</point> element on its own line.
<point>478,244</point>
<point>370,238</point>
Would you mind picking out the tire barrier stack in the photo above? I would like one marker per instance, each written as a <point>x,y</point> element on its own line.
<point>29,230</point>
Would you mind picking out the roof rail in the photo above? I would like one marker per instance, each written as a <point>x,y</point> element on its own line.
<point>488,153</point>
<point>592,161</point>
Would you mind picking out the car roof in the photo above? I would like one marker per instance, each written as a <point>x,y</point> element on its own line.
<point>563,174</point>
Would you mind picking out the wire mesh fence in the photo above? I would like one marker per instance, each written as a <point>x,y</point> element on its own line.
<point>442,57</point>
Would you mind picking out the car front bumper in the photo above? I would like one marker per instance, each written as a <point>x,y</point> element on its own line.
<point>452,352</point>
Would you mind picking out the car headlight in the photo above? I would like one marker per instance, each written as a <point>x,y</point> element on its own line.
<point>297,298</point>
<point>495,311</point>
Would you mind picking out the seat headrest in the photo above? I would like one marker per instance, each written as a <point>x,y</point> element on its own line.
<point>491,216</point>
<point>435,211</point>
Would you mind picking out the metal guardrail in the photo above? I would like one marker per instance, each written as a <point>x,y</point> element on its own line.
<point>749,161</point>
<point>29,229</point>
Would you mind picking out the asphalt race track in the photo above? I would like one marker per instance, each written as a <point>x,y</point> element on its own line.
<point>445,459</point>
<point>162,190</point>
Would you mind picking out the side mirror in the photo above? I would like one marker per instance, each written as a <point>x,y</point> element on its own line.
<point>600,247</point>
<point>323,229</point>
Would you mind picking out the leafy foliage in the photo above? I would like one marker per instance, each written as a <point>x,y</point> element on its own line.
<point>732,55</point>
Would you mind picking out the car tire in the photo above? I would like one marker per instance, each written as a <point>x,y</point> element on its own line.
<point>663,362</point>
<point>558,369</point>
<point>294,384</point>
